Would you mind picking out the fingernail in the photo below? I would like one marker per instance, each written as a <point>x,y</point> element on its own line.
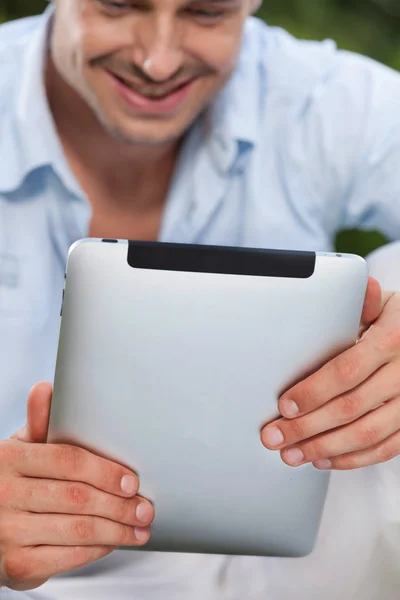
<point>294,456</point>
<point>144,512</point>
<point>323,463</point>
<point>141,533</point>
<point>273,436</point>
<point>129,484</point>
<point>289,408</point>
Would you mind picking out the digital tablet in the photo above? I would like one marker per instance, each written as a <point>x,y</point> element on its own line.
<point>172,358</point>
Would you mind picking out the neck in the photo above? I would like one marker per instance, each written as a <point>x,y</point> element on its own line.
<point>87,143</point>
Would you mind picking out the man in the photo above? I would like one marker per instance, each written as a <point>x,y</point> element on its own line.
<point>189,121</point>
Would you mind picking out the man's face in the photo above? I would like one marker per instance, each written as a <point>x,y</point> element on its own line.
<point>147,68</point>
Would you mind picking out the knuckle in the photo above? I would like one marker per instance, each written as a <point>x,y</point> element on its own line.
<point>123,509</point>
<point>108,473</point>
<point>349,406</point>
<point>126,536</point>
<point>84,529</point>
<point>308,397</point>
<point>390,340</point>
<point>78,495</point>
<point>79,556</point>
<point>315,450</point>
<point>297,429</point>
<point>18,569</point>
<point>386,451</point>
<point>346,462</point>
<point>348,366</point>
<point>69,457</point>
<point>368,436</point>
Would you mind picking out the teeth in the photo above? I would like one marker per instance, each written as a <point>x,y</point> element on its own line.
<point>146,92</point>
<point>149,93</point>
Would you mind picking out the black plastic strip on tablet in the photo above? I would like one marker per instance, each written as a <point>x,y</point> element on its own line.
<point>220,259</point>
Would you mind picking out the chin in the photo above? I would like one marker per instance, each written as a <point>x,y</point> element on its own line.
<point>145,129</point>
<point>145,132</point>
<point>144,138</point>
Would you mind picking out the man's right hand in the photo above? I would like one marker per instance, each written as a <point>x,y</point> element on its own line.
<point>61,507</point>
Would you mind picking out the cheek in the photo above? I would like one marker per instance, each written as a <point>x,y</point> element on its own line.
<point>67,57</point>
<point>68,43</point>
<point>219,49</point>
<point>103,42</point>
<point>102,36</point>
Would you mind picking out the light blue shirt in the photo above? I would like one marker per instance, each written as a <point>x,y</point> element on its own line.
<point>305,140</point>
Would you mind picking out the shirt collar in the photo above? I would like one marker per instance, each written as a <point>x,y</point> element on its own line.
<point>33,142</point>
<point>233,120</point>
<point>230,125</point>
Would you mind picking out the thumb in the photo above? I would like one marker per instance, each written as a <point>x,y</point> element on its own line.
<point>373,303</point>
<point>38,414</point>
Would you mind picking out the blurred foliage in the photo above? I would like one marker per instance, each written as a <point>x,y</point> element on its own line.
<point>371,27</point>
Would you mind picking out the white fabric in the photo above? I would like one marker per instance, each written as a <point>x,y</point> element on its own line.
<point>357,556</point>
<point>384,265</point>
<point>278,198</point>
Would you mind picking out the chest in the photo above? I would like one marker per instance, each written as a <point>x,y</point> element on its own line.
<point>126,224</point>
<point>128,203</point>
<point>251,208</point>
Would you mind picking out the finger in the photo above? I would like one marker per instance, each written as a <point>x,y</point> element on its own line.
<point>373,302</point>
<point>38,414</point>
<point>65,530</point>
<point>382,452</point>
<point>64,462</point>
<point>344,409</point>
<point>27,568</point>
<point>74,498</point>
<point>371,429</point>
<point>338,376</point>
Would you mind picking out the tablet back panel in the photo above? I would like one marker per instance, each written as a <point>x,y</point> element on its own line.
<point>170,361</point>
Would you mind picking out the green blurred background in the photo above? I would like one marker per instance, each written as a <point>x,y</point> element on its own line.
<point>371,27</point>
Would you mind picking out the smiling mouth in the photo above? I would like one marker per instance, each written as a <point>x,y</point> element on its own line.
<point>151,92</point>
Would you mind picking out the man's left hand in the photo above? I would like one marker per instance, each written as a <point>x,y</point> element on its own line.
<point>347,414</point>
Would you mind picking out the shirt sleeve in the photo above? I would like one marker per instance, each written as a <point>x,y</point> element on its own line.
<point>373,199</point>
<point>341,145</point>
<point>384,265</point>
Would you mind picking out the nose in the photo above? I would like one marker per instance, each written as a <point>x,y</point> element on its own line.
<point>160,48</point>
